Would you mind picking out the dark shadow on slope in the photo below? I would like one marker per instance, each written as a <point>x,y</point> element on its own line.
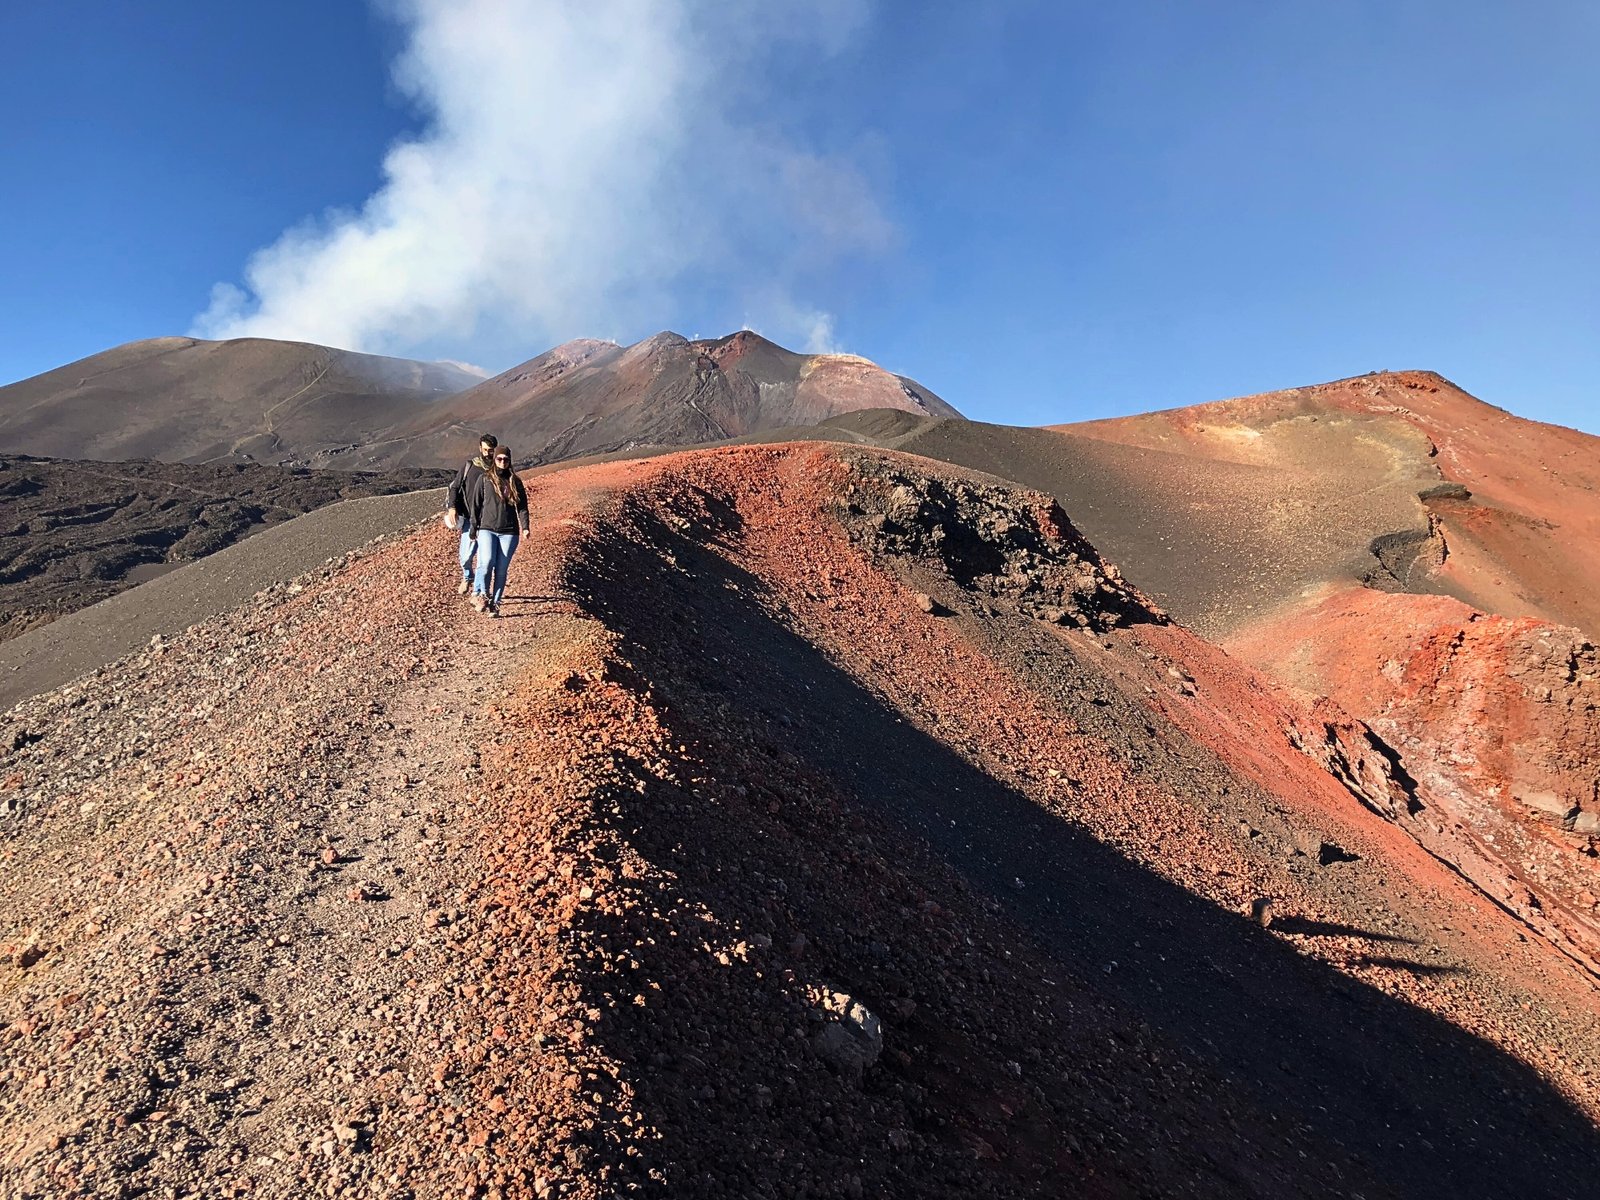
<point>1385,1098</point>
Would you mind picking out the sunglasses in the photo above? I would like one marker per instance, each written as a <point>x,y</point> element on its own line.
<point>505,458</point>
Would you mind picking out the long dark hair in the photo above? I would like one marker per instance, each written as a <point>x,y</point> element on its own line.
<point>506,485</point>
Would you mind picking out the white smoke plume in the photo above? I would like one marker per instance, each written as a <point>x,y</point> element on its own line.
<point>583,169</point>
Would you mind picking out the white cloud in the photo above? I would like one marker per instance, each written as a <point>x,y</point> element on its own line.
<point>584,167</point>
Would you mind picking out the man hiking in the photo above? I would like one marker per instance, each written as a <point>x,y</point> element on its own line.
<point>455,504</point>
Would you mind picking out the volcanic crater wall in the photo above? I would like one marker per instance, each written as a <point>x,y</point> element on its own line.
<point>743,624</point>
<point>1497,720</point>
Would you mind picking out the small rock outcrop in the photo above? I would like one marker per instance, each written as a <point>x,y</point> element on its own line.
<point>998,542</point>
<point>849,1037</point>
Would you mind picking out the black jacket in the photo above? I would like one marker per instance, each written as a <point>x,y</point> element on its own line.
<point>490,512</point>
<point>461,486</point>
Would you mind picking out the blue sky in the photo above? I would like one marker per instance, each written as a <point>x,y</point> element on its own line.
<point>1044,211</point>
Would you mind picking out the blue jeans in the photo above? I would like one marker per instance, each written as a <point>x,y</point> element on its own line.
<point>469,546</point>
<point>494,558</point>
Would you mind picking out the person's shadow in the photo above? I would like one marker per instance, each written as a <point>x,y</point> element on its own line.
<point>528,607</point>
<point>1385,1097</point>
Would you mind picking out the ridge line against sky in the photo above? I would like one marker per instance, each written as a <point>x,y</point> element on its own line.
<point>1044,212</point>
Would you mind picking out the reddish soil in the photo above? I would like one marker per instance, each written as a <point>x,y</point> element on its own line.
<point>818,822</point>
<point>1487,701</point>
<point>1532,524</point>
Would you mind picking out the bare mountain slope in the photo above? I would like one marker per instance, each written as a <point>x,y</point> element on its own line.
<point>1226,512</point>
<point>1489,689</point>
<point>1504,513</point>
<point>1214,542</point>
<point>177,399</point>
<point>831,823</point>
<point>588,398</point>
<point>1428,561</point>
<point>184,400</point>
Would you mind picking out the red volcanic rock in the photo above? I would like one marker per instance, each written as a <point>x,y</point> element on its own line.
<point>1497,718</point>
<point>1510,704</point>
<point>1428,561</point>
<point>794,798</point>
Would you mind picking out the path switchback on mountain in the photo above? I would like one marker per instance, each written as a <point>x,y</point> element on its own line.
<point>817,822</point>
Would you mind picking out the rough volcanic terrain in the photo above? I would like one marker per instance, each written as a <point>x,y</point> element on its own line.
<point>180,399</point>
<point>47,657</point>
<point>817,822</point>
<point>1426,560</point>
<point>1497,717</point>
<point>73,533</point>
<point>1463,634</point>
<point>1228,513</point>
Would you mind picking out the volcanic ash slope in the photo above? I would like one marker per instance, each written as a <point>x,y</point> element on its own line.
<point>178,399</point>
<point>817,822</point>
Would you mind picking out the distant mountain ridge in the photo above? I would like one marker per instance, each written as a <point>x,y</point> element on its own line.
<point>186,400</point>
<point>589,397</point>
<point>288,403</point>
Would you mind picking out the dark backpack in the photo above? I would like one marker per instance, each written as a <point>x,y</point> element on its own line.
<point>456,497</point>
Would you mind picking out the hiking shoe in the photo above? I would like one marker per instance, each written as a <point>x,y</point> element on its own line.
<point>494,610</point>
<point>478,602</point>
<point>463,587</point>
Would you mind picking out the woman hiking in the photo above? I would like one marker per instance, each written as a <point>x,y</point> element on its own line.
<point>498,507</point>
